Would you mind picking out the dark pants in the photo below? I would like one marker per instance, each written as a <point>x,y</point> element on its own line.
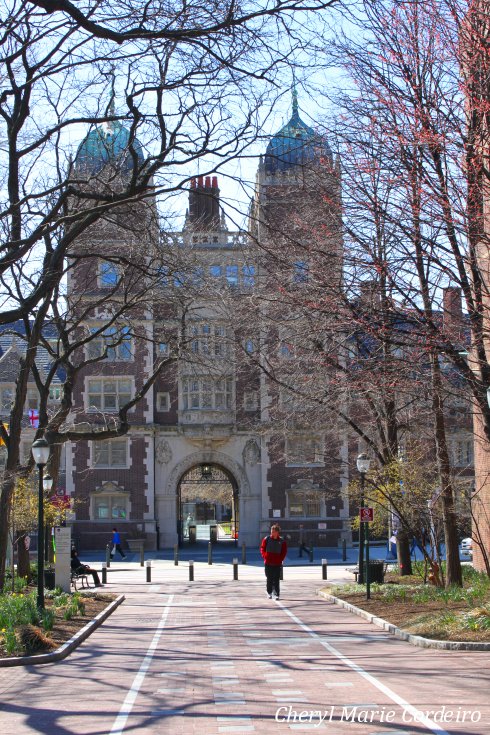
<point>273,575</point>
<point>95,576</point>
<point>84,569</point>
<point>117,547</point>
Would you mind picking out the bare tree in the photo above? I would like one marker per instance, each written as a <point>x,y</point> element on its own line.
<point>158,88</point>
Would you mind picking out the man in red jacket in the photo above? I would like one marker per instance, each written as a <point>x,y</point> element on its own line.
<point>273,549</point>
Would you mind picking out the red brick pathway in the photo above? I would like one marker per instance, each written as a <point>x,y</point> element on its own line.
<point>215,656</point>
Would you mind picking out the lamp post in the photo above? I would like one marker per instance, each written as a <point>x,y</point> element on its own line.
<point>40,452</point>
<point>363,464</point>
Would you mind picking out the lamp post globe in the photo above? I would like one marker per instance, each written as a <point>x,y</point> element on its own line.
<point>40,452</point>
<point>363,463</point>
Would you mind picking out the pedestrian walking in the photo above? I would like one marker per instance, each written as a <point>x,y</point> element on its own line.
<point>273,549</point>
<point>116,544</point>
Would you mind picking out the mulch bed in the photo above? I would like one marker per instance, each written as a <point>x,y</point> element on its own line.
<point>63,629</point>
<point>403,613</point>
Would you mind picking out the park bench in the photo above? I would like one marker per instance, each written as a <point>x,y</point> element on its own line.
<point>79,577</point>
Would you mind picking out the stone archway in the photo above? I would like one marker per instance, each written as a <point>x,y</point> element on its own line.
<point>221,465</point>
<point>208,457</point>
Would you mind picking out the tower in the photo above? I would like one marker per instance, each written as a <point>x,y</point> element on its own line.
<point>295,220</point>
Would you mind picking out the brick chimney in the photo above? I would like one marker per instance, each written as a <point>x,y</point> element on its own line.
<point>204,208</point>
<point>452,315</point>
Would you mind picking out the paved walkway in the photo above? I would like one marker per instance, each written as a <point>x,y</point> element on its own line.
<point>216,656</point>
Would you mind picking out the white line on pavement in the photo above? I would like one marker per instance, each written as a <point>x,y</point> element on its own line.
<point>418,715</point>
<point>127,706</point>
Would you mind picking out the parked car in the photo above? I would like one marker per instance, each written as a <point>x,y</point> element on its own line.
<point>467,546</point>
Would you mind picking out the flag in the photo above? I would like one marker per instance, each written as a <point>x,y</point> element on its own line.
<point>34,418</point>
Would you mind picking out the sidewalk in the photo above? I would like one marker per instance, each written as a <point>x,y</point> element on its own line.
<point>215,656</point>
<point>225,552</point>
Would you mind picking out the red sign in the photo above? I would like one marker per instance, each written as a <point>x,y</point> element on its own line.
<point>366,515</point>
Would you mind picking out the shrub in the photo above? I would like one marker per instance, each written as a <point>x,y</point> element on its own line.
<point>33,640</point>
<point>47,618</point>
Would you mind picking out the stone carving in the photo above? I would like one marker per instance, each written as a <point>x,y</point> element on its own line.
<point>251,453</point>
<point>163,452</point>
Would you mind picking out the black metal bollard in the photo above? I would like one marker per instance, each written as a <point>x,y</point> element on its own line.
<point>148,571</point>
<point>191,570</point>
<point>324,568</point>
<point>210,552</point>
<point>108,555</point>
<point>244,554</point>
<point>235,569</point>
<point>311,555</point>
<point>176,555</point>
<point>104,573</point>
<point>142,556</point>
<point>344,550</point>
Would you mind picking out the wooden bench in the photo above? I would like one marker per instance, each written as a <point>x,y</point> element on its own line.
<point>79,577</point>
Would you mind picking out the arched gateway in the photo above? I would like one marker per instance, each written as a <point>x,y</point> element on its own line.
<point>194,469</point>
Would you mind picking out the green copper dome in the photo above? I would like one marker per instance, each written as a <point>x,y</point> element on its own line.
<point>108,143</point>
<point>296,144</point>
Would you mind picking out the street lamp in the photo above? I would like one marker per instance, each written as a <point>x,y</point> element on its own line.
<point>40,452</point>
<point>363,464</point>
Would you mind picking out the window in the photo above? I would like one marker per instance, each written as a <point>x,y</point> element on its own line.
<point>32,400</point>
<point>232,275</point>
<point>110,503</point>
<point>108,394</point>
<point>215,271</point>
<point>249,345</point>
<point>250,401</point>
<point>163,349</point>
<point>463,453</point>
<point>163,401</point>
<point>108,274</point>
<point>300,272</point>
<point>248,276</point>
<point>209,340</point>
<point>207,393</point>
<point>7,397</point>
<point>55,393</point>
<point>303,504</point>
<point>111,453</point>
<point>303,450</point>
<point>114,342</point>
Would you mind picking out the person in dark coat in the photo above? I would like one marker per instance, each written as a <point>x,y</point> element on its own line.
<point>79,568</point>
<point>273,549</point>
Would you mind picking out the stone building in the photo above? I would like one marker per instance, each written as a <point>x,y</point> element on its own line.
<point>201,448</point>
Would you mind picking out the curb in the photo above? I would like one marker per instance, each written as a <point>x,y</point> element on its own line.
<point>65,650</point>
<point>414,640</point>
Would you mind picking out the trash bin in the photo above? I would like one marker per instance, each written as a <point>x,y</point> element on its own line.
<point>49,579</point>
<point>192,534</point>
<point>376,571</point>
<point>213,534</point>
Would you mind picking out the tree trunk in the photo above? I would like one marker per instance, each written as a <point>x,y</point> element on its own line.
<point>23,560</point>
<point>454,573</point>
<point>403,552</point>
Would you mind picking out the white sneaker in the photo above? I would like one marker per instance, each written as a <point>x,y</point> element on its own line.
<point>269,596</point>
